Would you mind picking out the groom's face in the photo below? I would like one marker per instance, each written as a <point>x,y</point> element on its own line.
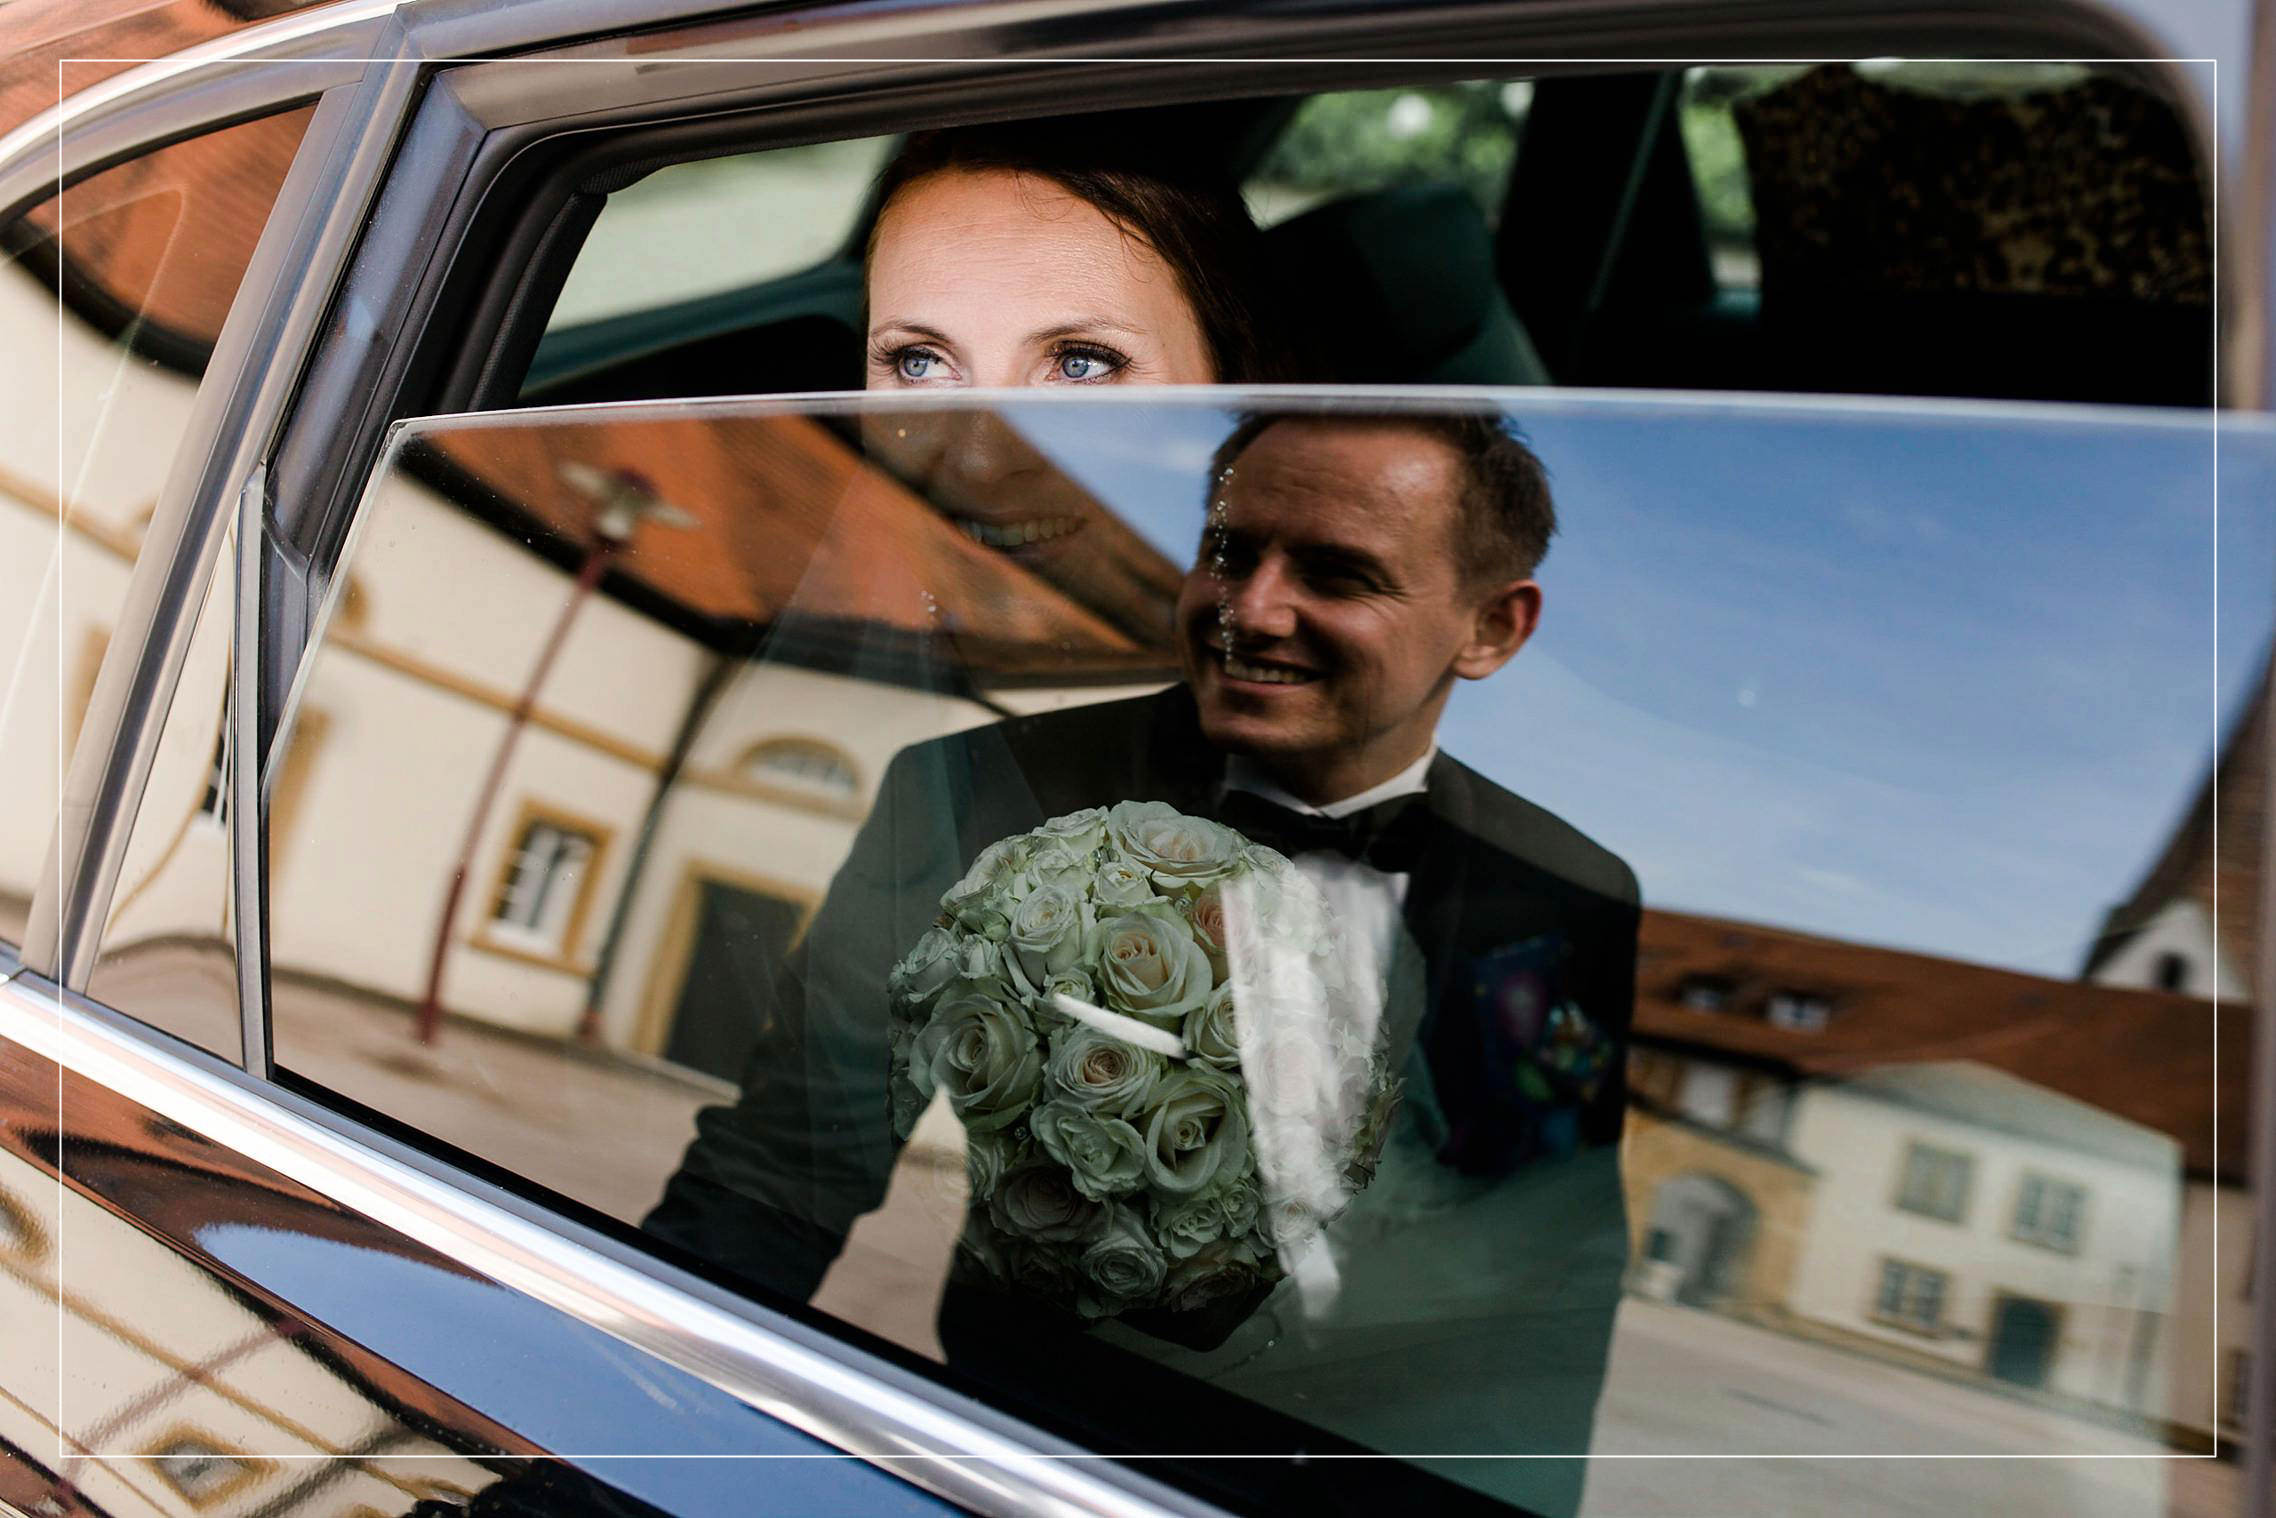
<point>1324,621</point>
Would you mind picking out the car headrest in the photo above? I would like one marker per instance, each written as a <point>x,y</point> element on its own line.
<point>1397,287</point>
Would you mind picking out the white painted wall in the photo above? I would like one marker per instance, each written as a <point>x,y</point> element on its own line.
<point>2125,1265</point>
<point>70,394</point>
<point>2180,927</point>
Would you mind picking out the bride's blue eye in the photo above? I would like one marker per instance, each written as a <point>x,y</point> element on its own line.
<point>914,363</point>
<point>1085,365</point>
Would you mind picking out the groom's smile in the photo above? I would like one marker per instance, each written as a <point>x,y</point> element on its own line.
<point>1327,612</point>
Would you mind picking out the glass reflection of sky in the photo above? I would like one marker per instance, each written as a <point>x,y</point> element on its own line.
<point>1926,677</point>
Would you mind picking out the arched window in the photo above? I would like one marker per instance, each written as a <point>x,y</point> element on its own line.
<point>2171,972</point>
<point>805,765</point>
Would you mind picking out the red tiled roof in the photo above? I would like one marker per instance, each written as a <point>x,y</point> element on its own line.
<point>104,35</point>
<point>2146,1056</point>
<point>168,235</point>
<point>789,518</point>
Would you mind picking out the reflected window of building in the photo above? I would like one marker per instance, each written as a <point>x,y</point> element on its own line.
<point>1711,1094</point>
<point>2172,972</point>
<point>1911,1296</point>
<point>201,1469</point>
<point>1798,1011</point>
<point>2048,1211</point>
<point>214,804</point>
<point>545,884</point>
<point>1705,993</point>
<point>1936,1182</point>
<point>806,765</point>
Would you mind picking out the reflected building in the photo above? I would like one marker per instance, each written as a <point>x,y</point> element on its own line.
<point>1975,1172</point>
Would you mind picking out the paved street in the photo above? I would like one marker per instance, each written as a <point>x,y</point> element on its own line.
<point>1690,1384</point>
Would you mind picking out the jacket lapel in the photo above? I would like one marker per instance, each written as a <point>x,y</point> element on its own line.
<point>1437,890</point>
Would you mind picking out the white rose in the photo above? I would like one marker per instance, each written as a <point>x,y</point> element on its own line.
<point>983,1054</point>
<point>1206,912</point>
<point>926,969</point>
<point>1122,883</point>
<point>1212,1031</point>
<point>1046,932</point>
<point>1150,967</point>
<point>978,901</point>
<point>1081,832</point>
<point>1179,851</point>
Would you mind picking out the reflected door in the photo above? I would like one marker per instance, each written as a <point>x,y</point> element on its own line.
<point>2023,1341</point>
<point>741,938</point>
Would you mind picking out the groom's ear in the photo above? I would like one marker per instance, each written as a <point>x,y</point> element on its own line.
<point>1503,617</point>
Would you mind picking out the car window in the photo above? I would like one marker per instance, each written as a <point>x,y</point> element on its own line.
<point>1780,228</point>
<point>1353,142</point>
<point>819,840</point>
<point>112,296</point>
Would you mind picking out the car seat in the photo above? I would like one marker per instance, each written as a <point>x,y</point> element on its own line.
<point>1397,287</point>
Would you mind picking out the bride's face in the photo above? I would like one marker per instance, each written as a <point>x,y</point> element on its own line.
<point>988,277</point>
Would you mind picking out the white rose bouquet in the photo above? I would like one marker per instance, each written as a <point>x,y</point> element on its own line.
<point>1168,1084</point>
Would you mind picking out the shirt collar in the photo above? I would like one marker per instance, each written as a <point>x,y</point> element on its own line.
<point>1243,774</point>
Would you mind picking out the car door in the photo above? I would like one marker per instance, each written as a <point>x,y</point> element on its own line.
<point>431,204</point>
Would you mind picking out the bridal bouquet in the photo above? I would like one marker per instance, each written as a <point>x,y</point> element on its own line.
<point>1167,1078</point>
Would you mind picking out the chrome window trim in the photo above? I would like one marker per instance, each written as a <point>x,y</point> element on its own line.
<point>157,102</point>
<point>803,1378</point>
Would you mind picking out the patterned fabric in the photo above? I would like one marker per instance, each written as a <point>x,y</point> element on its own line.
<point>2086,190</point>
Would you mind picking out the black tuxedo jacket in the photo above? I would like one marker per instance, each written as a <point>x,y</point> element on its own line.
<point>1517,915</point>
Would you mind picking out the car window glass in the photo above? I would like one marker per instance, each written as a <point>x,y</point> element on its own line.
<point>1718,165</point>
<point>168,947</point>
<point>111,297</point>
<point>699,228</point>
<point>1815,229</point>
<point>681,261</point>
<point>1353,142</point>
<point>694,822</point>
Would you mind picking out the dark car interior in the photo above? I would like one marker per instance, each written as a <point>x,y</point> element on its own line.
<point>1891,260</point>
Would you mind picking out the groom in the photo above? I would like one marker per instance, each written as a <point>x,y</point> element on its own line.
<point>1352,570</point>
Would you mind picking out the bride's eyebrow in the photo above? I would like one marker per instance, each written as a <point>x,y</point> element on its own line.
<point>900,328</point>
<point>1091,327</point>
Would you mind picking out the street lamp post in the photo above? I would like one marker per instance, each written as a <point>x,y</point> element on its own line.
<point>625,498</point>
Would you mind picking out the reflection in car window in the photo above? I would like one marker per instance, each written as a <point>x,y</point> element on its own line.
<point>853,1000</point>
<point>146,257</point>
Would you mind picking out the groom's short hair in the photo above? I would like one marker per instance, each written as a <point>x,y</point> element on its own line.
<point>1506,516</point>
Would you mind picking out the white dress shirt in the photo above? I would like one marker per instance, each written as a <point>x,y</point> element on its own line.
<point>1367,903</point>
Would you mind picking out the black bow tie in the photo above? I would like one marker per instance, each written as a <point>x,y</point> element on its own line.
<point>1388,835</point>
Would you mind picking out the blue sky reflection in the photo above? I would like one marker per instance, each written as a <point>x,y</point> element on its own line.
<point>1910,676</point>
